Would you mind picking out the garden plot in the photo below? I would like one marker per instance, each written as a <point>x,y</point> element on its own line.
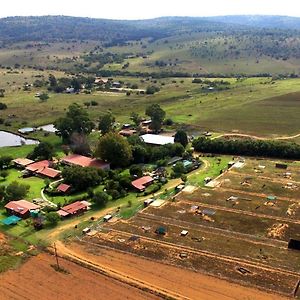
<point>247,202</point>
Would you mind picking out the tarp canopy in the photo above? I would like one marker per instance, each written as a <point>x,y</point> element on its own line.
<point>12,220</point>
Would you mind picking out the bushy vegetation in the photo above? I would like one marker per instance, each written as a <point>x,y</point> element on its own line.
<point>248,147</point>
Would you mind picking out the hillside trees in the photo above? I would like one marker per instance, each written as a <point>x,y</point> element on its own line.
<point>181,137</point>
<point>106,123</point>
<point>43,150</point>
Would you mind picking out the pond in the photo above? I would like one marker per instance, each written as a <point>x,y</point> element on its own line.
<point>48,128</point>
<point>10,139</point>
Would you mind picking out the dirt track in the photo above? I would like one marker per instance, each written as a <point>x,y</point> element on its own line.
<point>257,137</point>
<point>37,280</point>
<point>185,284</point>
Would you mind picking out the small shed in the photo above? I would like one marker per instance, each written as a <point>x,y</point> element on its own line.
<point>184,233</point>
<point>107,218</point>
<point>64,188</point>
<point>148,202</point>
<point>161,230</point>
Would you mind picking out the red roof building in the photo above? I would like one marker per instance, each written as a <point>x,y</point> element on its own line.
<point>22,162</point>
<point>21,208</point>
<point>84,161</point>
<point>64,188</point>
<point>49,172</point>
<point>38,165</point>
<point>74,209</point>
<point>141,183</point>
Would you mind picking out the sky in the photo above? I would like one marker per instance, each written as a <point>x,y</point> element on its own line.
<point>145,9</point>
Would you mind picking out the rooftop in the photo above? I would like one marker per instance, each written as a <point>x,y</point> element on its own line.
<point>49,172</point>
<point>84,161</point>
<point>63,187</point>
<point>156,139</point>
<point>74,207</point>
<point>23,161</point>
<point>38,165</point>
<point>141,183</point>
<point>21,206</point>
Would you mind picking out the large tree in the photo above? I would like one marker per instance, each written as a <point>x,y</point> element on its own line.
<point>115,149</point>
<point>106,123</point>
<point>157,115</point>
<point>16,191</point>
<point>82,178</point>
<point>181,137</point>
<point>42,151</point>
<point>76,120</point>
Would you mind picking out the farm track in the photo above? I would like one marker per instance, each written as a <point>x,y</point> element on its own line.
<point>246,213</point>
<point>220,257</point>
<point>222,232</point>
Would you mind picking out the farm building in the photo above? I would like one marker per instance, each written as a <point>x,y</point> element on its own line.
<point>127,132</point>
<point>156,139</point>
<point>101,81</point>
<point>21,208</point>
<point>73,209</point>
<point>84,161</point>
<point>39,165</point>
<point>64,188</point>
<point>141,183</point>
<point>48,172</point>
<point>22,162</point>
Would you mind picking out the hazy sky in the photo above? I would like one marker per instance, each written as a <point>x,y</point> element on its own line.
<point>142,9</point>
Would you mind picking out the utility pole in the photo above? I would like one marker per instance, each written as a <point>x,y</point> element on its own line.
<point>56,256</point>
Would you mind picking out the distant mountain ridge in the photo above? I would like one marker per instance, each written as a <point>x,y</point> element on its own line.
<point>47,28</point>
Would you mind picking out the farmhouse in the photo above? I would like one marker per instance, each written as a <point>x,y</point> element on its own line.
<point>127,132</point>
<point>49,172</point>
<point>157,140</point>
<point>64,188</point>
<point>21,208</point>
<point>73,209</point>
<point>141,183</point>
<point>101,81</point>
<point>22,162</point>
<point>84,161</point>
<point>39,165</point>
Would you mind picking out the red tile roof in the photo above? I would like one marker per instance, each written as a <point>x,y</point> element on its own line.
<point>74,207</point>
<point>63,187</point>
<point>23,161</point>
<point>21,206</point>
<point>141,183</point>
<point>38,165</point>
<point>62,213</point>
<point>85,161</point>
<point>49,172</point>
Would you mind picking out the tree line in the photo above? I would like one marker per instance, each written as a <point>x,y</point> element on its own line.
<point>248,147</point>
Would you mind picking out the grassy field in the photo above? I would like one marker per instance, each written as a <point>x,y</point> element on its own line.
<point>256,105</point>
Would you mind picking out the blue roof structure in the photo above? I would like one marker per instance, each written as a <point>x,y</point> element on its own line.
<point>12,220</point>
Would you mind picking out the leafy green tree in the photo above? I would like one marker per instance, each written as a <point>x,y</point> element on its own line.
<point>52,81</point>
<point>43,150</point>
<point>136,118</point>
<point>115,149</point>
<point>44,97</point>
<point>4,174</point>
<point>76,120</point>
<point>16,191</point>
<point>100,198</point>
<point>136,170</point>
<point>179,169</point>
<point>181,137</point>
<point>3,106</point>
<point>157,115</point>
<point>5,161</point>
<point>52,218</point>
<point>82,178</point>
<point>106,123</point>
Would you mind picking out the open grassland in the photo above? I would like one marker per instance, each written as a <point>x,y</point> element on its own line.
<point>256,105</point>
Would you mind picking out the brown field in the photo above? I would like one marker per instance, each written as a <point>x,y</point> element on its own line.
<point>244,240</point>
<point>185,283</point>
<point>36,279</point>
